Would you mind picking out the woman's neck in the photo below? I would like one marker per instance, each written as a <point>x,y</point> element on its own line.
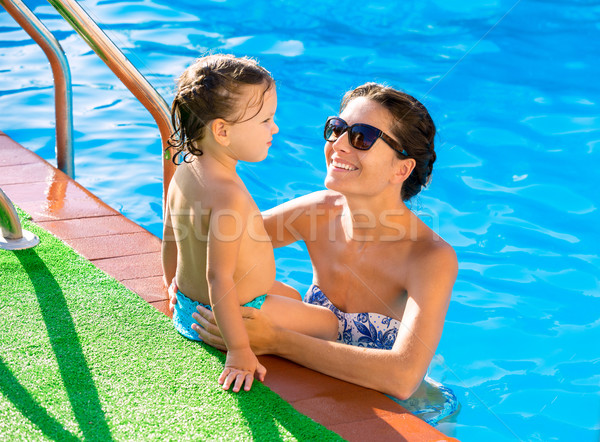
<point>377,218</point>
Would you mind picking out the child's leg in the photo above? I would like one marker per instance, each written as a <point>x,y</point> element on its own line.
<point>281,289</point>
<point>308,319</point>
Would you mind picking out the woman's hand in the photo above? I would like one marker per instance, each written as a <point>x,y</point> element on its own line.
<point>261,331</point>
<point>207,328</point>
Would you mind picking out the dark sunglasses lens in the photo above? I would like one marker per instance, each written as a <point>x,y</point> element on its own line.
<point>334,129</point>
<point>362,137</point>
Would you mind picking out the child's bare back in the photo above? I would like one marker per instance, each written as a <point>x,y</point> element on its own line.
<point>211,195</point>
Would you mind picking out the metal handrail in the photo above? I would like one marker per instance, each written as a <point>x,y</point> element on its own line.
<point>125,71</point>
<point>10,225</point>
<point>63,97</point>
<point>137,84</point>
<point>12,235</point>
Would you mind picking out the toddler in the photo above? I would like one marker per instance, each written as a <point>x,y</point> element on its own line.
<point>214,241</point>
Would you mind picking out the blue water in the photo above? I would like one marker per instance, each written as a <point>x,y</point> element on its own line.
<point>513,88</point>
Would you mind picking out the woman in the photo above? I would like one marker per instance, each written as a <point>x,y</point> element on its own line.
<point>369,252</point>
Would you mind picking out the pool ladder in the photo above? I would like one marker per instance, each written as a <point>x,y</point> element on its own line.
<point>114,59</point>
<point>12,236</point>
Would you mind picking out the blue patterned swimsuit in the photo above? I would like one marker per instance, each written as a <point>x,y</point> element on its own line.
<point>373,330</point>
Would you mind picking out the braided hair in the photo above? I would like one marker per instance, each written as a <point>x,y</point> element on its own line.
<point>210,88</point>
<point>413,128</point>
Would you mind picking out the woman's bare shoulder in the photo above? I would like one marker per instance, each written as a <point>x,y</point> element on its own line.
<point>433,259</point>
<point>431,246</point>
<point>326,199</point>
<point>320,200</point>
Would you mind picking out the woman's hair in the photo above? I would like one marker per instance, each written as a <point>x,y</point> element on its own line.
<point>412,127</point>
<point>208,89</point>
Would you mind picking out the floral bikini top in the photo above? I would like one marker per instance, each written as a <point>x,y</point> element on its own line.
<point>371,330</point>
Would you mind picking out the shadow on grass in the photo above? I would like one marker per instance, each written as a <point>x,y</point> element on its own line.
<point>266,414</point>
<point>262,426</point>
<point>265,425</point>
<point>72,365</point>
<point>22,400</point>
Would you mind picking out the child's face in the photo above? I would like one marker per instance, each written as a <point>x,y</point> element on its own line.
<point>252,137</point>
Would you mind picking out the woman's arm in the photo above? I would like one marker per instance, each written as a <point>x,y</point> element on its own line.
<point>368,367</point>
<point>291,221</point>
<point>397,372</point>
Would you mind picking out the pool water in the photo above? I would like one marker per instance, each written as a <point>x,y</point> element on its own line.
<point>513,89</point>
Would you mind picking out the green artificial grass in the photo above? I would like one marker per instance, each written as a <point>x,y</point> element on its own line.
<point>82,357</point>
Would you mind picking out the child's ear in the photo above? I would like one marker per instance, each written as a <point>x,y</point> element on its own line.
<point>220,130</point>
<point>402,170</point>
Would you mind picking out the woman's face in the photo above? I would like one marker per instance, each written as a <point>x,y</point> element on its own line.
<point>361,172</point>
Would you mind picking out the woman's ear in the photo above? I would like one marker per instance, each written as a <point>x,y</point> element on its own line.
<point>220,131</point>
<point>403,169</point>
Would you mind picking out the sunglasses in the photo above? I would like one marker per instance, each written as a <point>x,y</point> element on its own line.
<point>361,136</point>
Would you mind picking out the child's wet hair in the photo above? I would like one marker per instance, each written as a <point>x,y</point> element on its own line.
<point>208,89</point>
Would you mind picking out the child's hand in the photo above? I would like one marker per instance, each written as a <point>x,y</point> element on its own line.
<point>241,366</point>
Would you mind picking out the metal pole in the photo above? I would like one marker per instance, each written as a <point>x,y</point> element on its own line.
<point>10,226</point>
<point>12,236</point>
<point>63,97</point>
<point>127,73</point>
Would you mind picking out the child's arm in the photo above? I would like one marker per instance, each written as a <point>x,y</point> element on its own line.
<point>227,225</point>
<point>168,249</point>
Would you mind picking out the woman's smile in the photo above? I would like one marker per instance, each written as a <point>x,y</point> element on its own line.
<point>337,164</point>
